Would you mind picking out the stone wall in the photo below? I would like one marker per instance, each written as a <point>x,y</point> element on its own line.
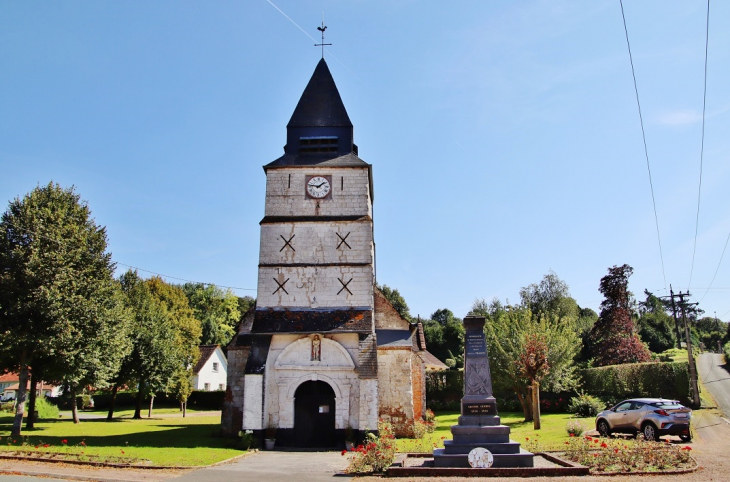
<point>286,192</point>
<point>232,413</point>
<point>395,390</point>
<point>315,287</point>
<point>386,317</point>
<point>317,242</point>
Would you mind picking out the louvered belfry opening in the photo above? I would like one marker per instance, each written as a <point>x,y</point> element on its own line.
<point>314,415</point>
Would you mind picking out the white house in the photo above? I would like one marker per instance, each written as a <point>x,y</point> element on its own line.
<point>211,371</point>
<point>9,384</point>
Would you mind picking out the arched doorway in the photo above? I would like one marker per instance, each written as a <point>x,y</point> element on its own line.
<point>314,415</point>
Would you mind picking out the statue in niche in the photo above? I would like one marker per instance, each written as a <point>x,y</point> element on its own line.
<point>316,348</point>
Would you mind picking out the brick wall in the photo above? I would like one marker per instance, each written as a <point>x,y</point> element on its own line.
<point>386,317</point>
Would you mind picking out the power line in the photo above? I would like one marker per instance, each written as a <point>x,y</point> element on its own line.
<point>702,149</point>
<point>646,151</point>
<point>62,243</point>
<point>717,269</point>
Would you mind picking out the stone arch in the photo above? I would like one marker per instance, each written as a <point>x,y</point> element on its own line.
<point>296,356</point>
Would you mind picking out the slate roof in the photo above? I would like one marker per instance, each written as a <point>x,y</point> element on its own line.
<point>206,351</point>
<point>320,104</point>
<point>394,338</point>
<point>269,321</point>
<point>431,361</point>
<point>347,160</point>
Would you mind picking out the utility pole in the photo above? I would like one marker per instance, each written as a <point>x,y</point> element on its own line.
<point>690,357</point>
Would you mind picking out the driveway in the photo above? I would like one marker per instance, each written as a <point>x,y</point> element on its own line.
<point>275,466</point>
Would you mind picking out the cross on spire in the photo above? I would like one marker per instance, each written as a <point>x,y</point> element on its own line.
<point>322,29</point>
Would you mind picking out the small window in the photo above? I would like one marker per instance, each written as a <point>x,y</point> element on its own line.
<point>220,386</point>
<point>206,387</point>
<point>215,367</point>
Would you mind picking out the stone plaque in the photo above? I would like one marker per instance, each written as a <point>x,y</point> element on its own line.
<point>480,458</point>
<point>479,408</point>
<point>477,376</point>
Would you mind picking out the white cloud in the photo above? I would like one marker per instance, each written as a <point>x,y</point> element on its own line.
<point>680,117</point>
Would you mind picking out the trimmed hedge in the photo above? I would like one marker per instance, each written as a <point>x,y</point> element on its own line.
<point>654,380</point>
<point>199,399</point>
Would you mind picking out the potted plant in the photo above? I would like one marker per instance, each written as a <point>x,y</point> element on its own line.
<point>349,438</point>
<point>270,437</point>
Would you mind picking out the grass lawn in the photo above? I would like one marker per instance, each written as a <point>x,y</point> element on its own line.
<point>552,435</point>
<point>164,441</point>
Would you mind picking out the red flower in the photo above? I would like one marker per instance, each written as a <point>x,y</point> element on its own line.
<point>589,438</point>
<point>571,435</point>
<point>83,444</point>
<point>687,448</point>
<point>567,443</point>
<point>344,452</point>
<point>527,438</point>
<point>595,455</point>
<point>64,441</point>
<point>36,446</point>
<point>46,445</point>
<point>122,451</point>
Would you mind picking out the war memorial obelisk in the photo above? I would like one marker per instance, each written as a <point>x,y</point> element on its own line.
<point>479,424</point>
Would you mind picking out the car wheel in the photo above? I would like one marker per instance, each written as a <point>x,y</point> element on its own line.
<point>685,437</point>
<point>603,428</point>
<point>650,433</point>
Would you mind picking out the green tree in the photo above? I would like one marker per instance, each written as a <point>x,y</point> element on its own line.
<point>397,300</point>
<point>60,309</point>
<point>514,331</point>
<point>244,303</point>
<point>164,338</point>
<point>550,297</point>
<point>217,309</point>
<point>444,335</point>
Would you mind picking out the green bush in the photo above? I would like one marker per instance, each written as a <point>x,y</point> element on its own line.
<point>726,349</point>
<point>656,380</point>
<point>7,407</point>
<point>585,405</point>
<point>45,408</point>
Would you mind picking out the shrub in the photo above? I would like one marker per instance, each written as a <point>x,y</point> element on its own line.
<point>45,408</point>
<point>246,440</point>
<point>585,405</point>
<point>7,406</point>
<point>726,349</point>
<point>575,428</point>
<point>376,455</point>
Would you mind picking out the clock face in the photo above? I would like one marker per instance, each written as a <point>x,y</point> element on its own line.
<point>318,187</point>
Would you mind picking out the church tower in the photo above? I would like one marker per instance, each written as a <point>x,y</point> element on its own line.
<point>305,360</point>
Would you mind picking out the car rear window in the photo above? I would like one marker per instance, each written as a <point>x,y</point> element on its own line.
<point>669,405</point>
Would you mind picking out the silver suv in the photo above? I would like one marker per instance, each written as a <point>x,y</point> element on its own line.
<point>653,417</point>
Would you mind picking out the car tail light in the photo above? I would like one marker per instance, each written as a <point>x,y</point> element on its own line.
<point>663,413</point>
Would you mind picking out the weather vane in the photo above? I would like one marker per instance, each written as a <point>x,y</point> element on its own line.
<point>322,29</point>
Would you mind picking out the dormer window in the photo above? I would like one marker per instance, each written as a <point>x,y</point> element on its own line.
<point>311,145</point>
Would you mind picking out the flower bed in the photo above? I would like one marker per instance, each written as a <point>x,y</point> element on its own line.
<point>606,456</point>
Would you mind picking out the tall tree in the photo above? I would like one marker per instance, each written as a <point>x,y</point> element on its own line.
<point>614,338</point>
<point>550,297</point>
<point>397,300</point>
<point>217,310</point>
<point>164,337</point>
<point>444,335</point>
<point>524,348</point>
<point>60,310</point>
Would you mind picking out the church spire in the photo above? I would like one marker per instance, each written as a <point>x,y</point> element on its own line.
<point>320,104</point>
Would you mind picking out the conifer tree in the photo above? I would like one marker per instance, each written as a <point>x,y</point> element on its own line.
<point>614,338</point>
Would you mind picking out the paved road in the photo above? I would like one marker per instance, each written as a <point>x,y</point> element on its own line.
<point>716,377</point>
<point>276,467</point>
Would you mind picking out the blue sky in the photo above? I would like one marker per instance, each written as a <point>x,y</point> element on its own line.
<point>504,136</point>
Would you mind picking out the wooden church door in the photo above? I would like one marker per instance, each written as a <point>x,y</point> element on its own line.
<point>314,415</point>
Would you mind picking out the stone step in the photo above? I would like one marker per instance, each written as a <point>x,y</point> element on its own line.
<point>452,447</point>
<point>485,429</point>
<point>522,459</point>
<point>468,438</point>
<point>481,420</point>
